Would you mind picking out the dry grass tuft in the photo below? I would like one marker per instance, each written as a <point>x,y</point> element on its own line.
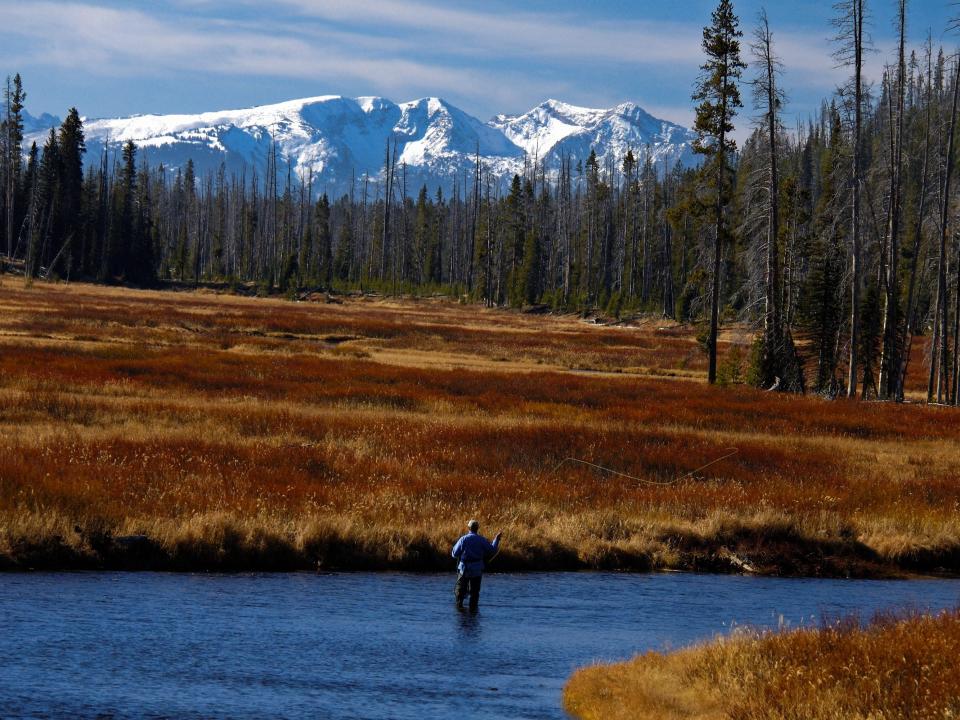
<point>897,667</point>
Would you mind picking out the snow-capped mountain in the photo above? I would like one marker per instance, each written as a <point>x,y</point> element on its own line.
<point>555,129</point>
<point>333,139</point>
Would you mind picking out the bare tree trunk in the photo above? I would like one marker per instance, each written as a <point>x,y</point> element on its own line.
<point>955,373</point>
<point>489,241</point>
<point>472,240</point>
<point>8,173</point>
<point>387,197</point>
<point>917,240</point>
<point>943,300</point>
<point>717,261</point>
<point>857,6</point>
<point>669,304</point>
<point>891,318</point>
<point>767,86</point>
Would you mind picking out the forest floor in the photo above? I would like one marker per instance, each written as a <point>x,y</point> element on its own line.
<point>195,430</point>
<point>894,667</point>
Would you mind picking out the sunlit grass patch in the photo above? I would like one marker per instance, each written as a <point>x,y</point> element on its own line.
<point>148,413</point>
<point>897,666</point>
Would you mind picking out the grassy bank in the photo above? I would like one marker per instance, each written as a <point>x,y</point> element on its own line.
<point>194,430</point>
<point>894,668</point>
<point>226,541</point>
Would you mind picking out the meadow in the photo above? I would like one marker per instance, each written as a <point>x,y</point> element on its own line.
<point>196,430</point>
<point>893,667</point>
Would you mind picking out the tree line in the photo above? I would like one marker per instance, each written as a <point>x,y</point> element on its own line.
<point>836,239</point>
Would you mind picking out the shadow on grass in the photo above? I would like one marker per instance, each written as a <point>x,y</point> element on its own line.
<point>774,551</point>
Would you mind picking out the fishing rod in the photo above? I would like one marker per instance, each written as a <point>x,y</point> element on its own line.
<point>730,452</point>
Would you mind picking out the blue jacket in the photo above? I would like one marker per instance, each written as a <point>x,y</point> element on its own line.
<point>472,550</point>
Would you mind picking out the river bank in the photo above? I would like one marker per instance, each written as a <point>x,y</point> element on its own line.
<point>895,667</point>
<point>221,543</point>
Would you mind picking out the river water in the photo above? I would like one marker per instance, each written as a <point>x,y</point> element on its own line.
<point>383,646</point>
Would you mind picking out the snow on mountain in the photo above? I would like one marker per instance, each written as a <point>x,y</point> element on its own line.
<point>334,139</point>
<point>555,129</point>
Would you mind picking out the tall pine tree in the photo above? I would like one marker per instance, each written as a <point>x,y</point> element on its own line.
<point>12,147</point>
<point>719,97</point>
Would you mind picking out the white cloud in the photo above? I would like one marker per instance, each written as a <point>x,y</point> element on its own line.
<point>553,35</point>
<point>399,49</point>
<point>110,41</point>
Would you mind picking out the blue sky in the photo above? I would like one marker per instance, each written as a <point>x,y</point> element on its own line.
<point>114,58</point>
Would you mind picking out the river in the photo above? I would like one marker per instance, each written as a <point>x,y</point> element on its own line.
<point>359,645</point>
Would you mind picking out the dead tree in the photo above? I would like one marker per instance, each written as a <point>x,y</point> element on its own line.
<point>907,340</point>
<point>850,36</point>
<point>891,316</point>
<point>778,360</point>
<point>939,380</point>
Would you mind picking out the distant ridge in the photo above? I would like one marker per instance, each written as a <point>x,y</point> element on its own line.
<point>40,124</point>
<point>336,138</point>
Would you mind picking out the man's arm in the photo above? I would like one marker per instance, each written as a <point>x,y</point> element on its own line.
<point>457,549</point>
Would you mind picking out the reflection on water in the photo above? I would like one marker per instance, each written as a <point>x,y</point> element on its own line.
<point>369,645</point>
<point>469,623</point>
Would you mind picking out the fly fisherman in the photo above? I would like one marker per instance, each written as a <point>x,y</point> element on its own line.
<point>472,551</point>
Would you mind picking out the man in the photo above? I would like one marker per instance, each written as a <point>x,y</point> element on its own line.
<point>472,551</point>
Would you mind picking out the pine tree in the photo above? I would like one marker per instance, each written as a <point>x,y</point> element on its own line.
<point>529,280</point>
<point>344,254</point>
<point>427,263</point>
<point>70,206</point>
<point>44,210</point>
<point>589,229</point>
<point>88,243</point>
<point>435,241</point>
<point>131,252</point>
<point>178,263</point>
<point>12,146</point>
<point>719,98</point>
<point>821,307</point>
<point>628,195</point>
<point>516,230</point>
<point>321,221</point>
<point>143,267</point>
<point>30,184</point>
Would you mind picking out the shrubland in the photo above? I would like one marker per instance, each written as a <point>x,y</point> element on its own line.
<point>195,430</point>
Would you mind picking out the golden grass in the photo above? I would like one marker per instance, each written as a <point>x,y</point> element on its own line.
<point>238,432</point>
<point>894,668</point>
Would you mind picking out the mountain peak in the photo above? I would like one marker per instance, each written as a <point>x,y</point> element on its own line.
<point>430,105</point>
<point>332,138</point>
<point>565,107</point>
<point>555,129</point>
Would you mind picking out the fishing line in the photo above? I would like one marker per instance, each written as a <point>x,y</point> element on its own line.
<point>730,452</point>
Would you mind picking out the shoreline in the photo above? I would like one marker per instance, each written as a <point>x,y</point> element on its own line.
<point>141,553</point>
